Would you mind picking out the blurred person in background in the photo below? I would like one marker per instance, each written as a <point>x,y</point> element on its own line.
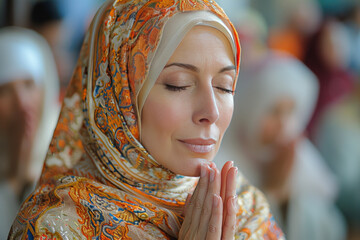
<point>327,55</point>
<point>252,31</point>
<point>63,24</point>
<point>47,18</point>
<point>336,7</point>
<point>266,141</point>
<point>338,139</point>
<point>301,19</point>
<point>29,107</point>
<point>352,23</point>
<point>338,134</point>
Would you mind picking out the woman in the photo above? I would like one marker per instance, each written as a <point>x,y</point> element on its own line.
<point>337,138</point>
<point>143,117</point>
<point>29,109</point>
<point>47,19</point>
<point>327,55</point>
<point>299,20</point>
<point>266,142</point>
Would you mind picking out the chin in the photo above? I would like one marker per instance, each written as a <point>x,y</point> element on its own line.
<point>191,166</point>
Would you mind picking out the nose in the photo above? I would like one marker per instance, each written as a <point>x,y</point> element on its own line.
<point>206,111</point>
<point>283,127</point>
<point>20,100</point>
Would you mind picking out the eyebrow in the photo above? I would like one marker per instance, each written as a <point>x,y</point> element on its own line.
<point>183,65</point>
<point>195,69</point>
<point>228,68</point>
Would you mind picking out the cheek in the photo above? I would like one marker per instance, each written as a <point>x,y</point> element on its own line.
<point>269,129</point>
<point>5,106</point>
<point>7,111</point>
<point>162,118</point>
<point>164,115</point>
<point>226,109</point>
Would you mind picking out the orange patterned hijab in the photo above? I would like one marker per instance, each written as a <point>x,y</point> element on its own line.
<point>98,180</point>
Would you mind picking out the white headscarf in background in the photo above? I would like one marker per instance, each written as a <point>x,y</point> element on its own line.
<point>278,76</point>
<point>311,212</point>
<point>26,55</point>
<point>281,76</point>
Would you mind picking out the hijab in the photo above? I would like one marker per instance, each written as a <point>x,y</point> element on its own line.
<point>312,187</point>
<point>274,77</point>
<point>26,55</point>
<point>98,178</point>
<point>278,76</point>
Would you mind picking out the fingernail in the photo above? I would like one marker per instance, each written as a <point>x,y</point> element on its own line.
<point>232,164</point>
<point>214,165</point>
<point>215,200</point>
<point>236,170</point>
<point>212,175</point>
<point>202,170</point>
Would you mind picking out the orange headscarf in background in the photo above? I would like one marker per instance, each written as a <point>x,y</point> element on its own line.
<point>98,180</point>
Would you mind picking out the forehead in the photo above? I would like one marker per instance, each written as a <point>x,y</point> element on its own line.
<point>285,101</point>
<point>204,40</point>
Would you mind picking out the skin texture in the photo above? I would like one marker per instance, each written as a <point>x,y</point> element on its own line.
<point>184,119</point>
<point>191,99</point>
<point>20,107</point>
<point>210,212</point>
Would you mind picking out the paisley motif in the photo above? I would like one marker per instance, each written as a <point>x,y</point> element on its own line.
<point>98,180</point>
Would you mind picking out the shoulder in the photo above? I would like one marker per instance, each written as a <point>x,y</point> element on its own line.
<point>77,207</point>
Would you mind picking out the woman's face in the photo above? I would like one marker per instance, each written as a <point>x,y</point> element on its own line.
<point>20,107</point>
<point>190,106</point>
<point>276,122</point>
<point>332,47</point>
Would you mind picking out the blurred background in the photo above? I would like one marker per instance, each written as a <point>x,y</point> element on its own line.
<point>307,162</point>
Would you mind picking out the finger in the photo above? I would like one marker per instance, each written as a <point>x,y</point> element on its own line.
<point>214,226</point>
<point>193,203</point>
<point>186,206</point>
<point>224,171</point>
<point>198,199</point>
<point>214,183</point>
<point>229,227</point>
<point>213,189</point>
<point>202,181</point>
<point>231,182</point>
<point>230,187</point>
<point>212,165</point>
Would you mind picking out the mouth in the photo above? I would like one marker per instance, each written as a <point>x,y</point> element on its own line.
<point>199,145</point>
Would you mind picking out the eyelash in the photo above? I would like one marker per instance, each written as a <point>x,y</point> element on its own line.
<point>225,90</point>
<point>179,89</point>
<point>175,88</point>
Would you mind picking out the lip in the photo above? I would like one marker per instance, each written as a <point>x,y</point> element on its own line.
<point>199,145</point>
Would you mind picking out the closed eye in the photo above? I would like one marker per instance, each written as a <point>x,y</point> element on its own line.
<point>225,90</point>
<point>175,88</point>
